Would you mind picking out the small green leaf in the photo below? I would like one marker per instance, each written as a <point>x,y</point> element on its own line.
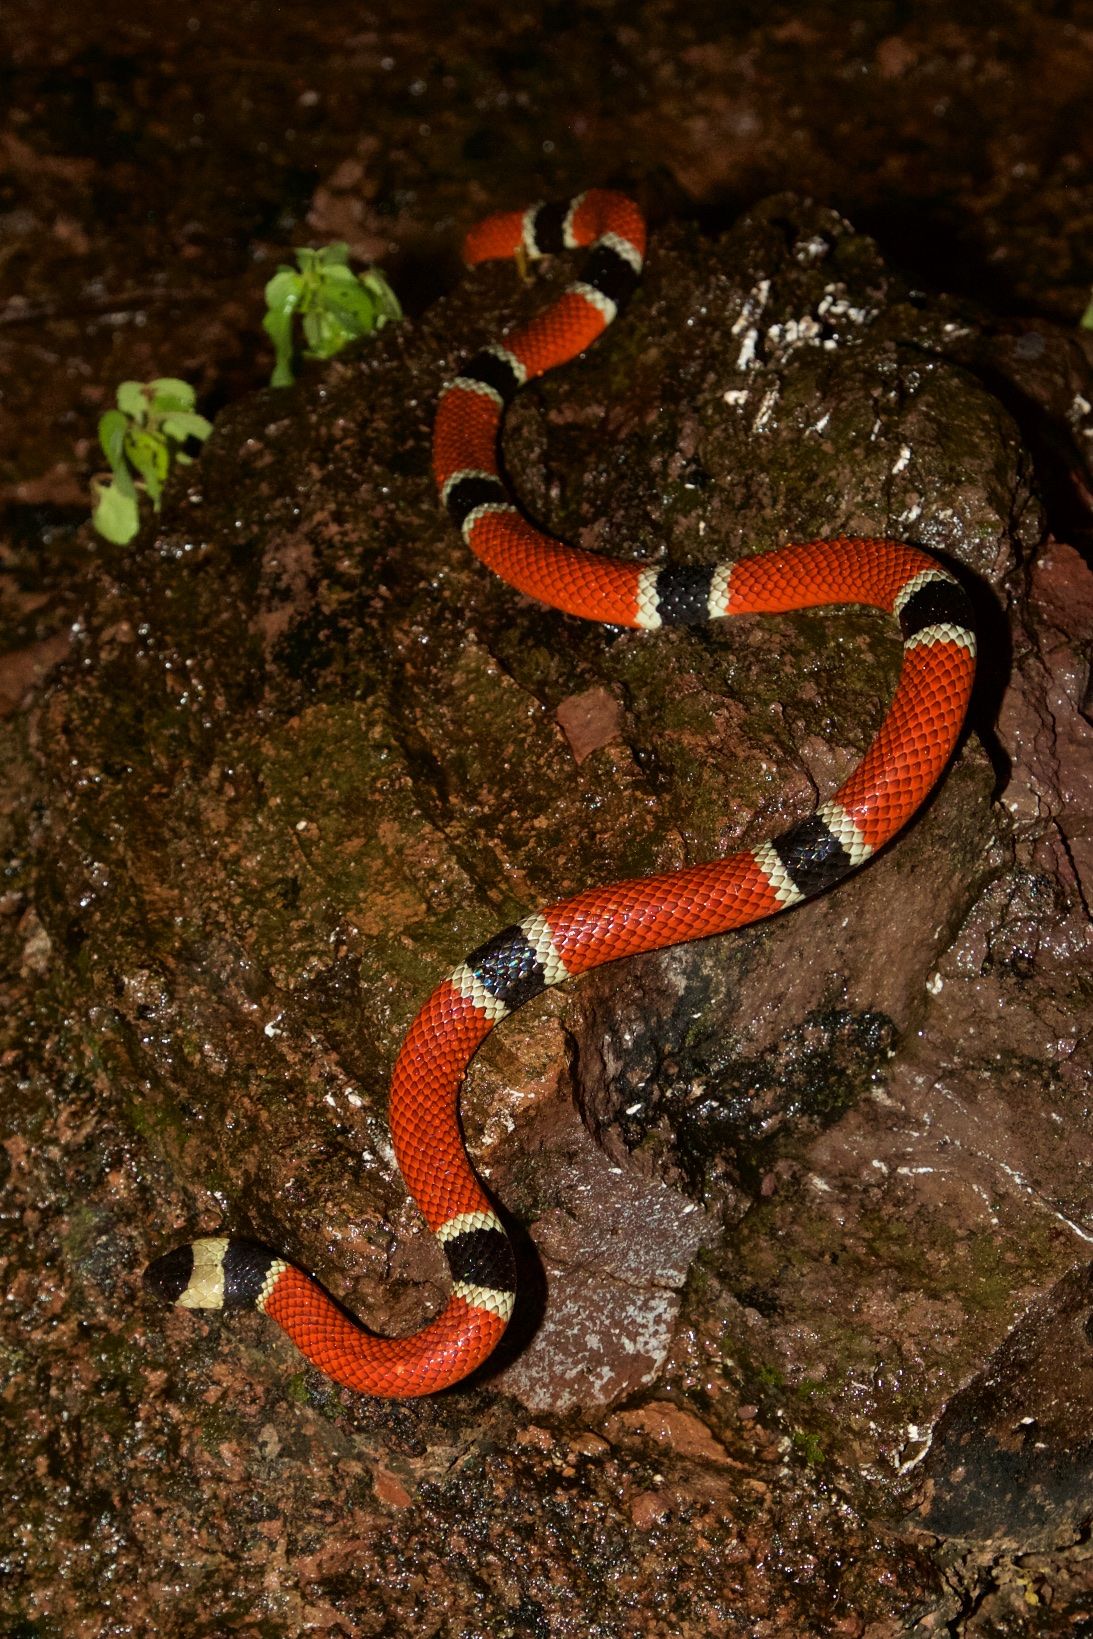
<point>324,333</point>
<point>313,332</point>
<point>124,481</point>
<point>331,256</point>
<point>353,304</point>
<point>278,327</point>
<point>119,467</point>
<point>283,291</point>
<point>148,453</point>
<point>132,400</point>
<point>186,424</point>
<point>115,516</point>
<point>168,393</point>
<point>113,427</point>
<point>1086,320</point>
<point>338,274</point>
<point>387,303</point>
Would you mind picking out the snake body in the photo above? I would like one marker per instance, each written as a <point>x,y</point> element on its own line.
<point>602,924</point>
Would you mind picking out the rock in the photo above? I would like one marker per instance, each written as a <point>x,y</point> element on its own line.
<point>1011,1459</point>
<point>305,753</point>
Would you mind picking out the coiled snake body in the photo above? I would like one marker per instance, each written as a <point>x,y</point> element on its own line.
<point>602,924</point>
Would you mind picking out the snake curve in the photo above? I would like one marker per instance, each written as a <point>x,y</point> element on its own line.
<point>601,924</point>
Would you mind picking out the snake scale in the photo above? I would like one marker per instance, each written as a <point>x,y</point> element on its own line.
<point>602,924</point>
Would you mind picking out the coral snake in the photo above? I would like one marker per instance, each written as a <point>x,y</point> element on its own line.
<point>601,924</point>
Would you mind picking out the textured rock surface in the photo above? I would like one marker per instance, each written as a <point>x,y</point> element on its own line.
<point>304,754</point>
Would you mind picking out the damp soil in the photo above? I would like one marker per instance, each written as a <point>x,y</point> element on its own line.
<point>803,1215</point>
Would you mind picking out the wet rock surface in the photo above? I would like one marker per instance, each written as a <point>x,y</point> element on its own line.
<point>783,1193</point>
<point>802,1214</point>
<point>1009,1461</point>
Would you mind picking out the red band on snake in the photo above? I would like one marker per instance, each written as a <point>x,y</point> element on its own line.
<point>602,924</point>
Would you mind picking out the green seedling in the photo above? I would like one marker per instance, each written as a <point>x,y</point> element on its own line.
<point>335,304</point>
<point>141,438</point>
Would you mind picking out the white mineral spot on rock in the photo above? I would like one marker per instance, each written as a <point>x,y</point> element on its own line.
<point>811,250</point>
<point>746,356</point>
<point>770,398</point>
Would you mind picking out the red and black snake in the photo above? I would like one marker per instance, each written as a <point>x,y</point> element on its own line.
<point>602,924</point>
